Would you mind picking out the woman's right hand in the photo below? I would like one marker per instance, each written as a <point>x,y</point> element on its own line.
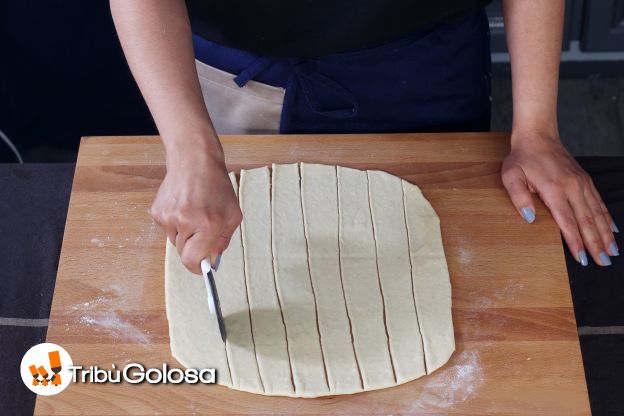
<point>197,206</point>
<point>196,203</point>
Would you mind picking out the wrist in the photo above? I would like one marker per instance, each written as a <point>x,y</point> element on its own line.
<point>524,134</point>
<point>193,147</point>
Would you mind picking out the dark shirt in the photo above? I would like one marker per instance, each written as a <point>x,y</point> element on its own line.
<point>310,28</point>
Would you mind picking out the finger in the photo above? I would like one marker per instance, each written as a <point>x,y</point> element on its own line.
<point>604,209</point>
<point>197,247</point>
<point>180,241</point>
<point>228,230</point>
<point>217,262</point>
<point>602,222</point>
<point>222,244</point>
<point>565,219</point>
<point>170,230</point>
<point>588,228</point>
<point>164,222</point>
<point>171,234</point>
<point>516,184</point>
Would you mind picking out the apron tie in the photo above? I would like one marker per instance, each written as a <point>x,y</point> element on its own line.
<point>252,70</point>
<point>308,82</point>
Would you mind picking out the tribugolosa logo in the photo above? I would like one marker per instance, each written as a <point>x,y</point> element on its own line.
<point>48,369</point>
<point>45,369</point>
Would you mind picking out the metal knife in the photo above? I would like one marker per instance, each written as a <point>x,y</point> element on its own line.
<point>213,298</point>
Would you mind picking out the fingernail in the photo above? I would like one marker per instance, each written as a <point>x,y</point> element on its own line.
<point>614,228</point>
<point>604,259</point>
<point>217,262</point>
<point>528,214</point>
<point>582,255</point>
<point>613,248</point>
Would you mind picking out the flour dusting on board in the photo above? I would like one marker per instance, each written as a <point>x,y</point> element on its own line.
<point>114,325</point>
<point>97,242</point>
<point>452,384</point>
<point>95,312</point>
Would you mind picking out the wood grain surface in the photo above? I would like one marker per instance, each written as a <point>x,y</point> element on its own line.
<point>517,345</point>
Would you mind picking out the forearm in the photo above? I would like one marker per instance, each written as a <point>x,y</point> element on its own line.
<point>156,39</point>
<point>534,31</point>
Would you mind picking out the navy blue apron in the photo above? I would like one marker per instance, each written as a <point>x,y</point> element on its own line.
<point>434,80</point>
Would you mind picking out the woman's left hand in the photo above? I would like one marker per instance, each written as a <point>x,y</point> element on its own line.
<point>538,163</point>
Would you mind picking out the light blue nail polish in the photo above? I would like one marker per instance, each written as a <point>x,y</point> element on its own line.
<point>528,214</point>
<point>604,259</point>
<point>217,262</point>
<point>614,228</point>
<point>613,248</point>
<point>582,255</point>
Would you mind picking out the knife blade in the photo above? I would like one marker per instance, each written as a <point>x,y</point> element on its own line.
<point>213,298</point>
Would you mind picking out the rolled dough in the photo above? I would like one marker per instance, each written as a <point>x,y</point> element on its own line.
<point>335,283</point>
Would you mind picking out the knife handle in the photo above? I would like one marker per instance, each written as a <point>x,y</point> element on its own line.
<point>206,270</point>
<point>206,267</point>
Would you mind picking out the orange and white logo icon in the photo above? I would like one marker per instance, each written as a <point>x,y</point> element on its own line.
<point>46,369</point>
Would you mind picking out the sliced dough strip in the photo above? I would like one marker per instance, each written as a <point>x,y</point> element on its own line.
<point>232,289</point>
<point>432,285</point>
<point>307,246</point>
<point>420,334</point>
<point>384,306</point>
<point>393,262</point>
<point>319,192</point>
<point>269,333</point>
<point>293,281</point>
<point>359,271</point>
<point>183,288</point>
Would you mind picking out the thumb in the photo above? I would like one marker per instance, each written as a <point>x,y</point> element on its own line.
<point>517,187</point>
<point>199,246</point>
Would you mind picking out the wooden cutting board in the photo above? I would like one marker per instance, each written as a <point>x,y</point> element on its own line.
<point>517,345</point>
